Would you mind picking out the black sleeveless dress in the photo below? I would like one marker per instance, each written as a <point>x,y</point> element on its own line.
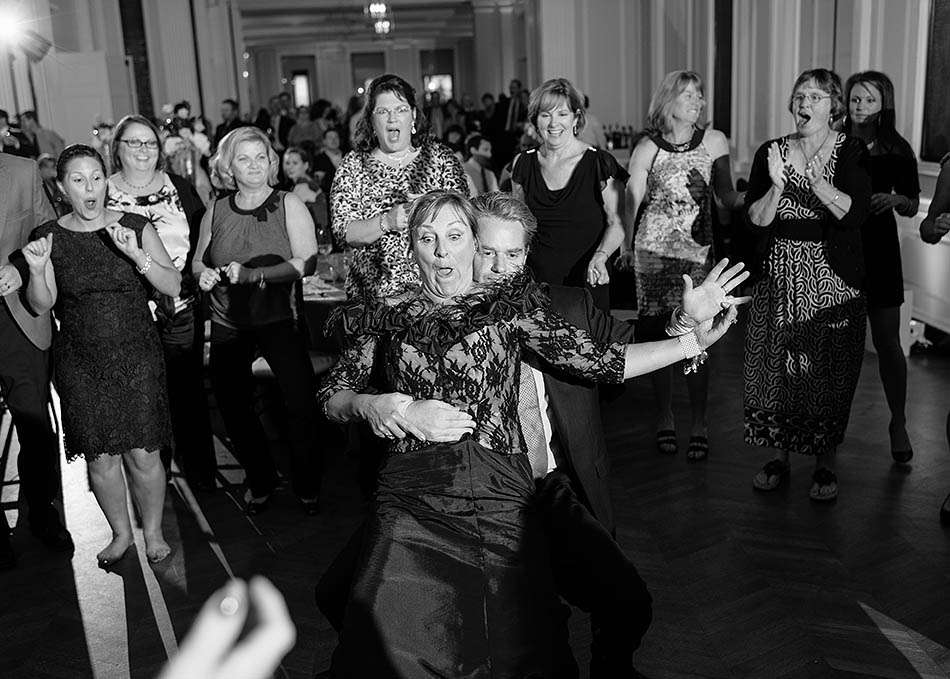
<point>571,221</point>
<point>107,358</point>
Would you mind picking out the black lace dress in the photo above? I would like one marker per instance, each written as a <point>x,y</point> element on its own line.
<point>454,579</point>
<point>107,358</point>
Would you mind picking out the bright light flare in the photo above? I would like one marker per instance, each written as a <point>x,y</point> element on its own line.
<point>11,27</point>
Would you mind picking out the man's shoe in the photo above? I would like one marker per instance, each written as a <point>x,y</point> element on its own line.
<point>52,533</point>
<point>945,512</point>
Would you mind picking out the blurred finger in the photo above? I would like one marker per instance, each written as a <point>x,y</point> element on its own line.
<point>261,651</point>
<point>214,631</point>
<point>715,272</point>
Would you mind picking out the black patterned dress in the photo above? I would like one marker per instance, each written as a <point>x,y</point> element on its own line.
<point>107,358</point>
<point>455,577</point>
<point>805,340</point>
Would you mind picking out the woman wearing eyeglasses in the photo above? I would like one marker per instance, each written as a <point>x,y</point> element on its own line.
<point>172,206</point>
<point>394,160</point>
<point>809,193</point>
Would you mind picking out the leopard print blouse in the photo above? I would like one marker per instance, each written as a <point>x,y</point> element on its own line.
<point>363,188</point>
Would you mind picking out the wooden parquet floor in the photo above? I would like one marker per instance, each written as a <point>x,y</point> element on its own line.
<point>745,584</point>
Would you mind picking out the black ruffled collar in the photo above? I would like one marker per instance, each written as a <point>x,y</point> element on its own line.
<point>270,205</point>
<point>434,328</point>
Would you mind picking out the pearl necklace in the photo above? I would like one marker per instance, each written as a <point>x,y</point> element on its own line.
<point>394,159</point>
<point>137,186</point>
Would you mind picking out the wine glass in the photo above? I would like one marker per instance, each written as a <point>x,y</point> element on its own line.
<point>324,241</point>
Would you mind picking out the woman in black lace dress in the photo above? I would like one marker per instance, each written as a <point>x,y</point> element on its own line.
<point>454,578</point>
<point>94,268</point>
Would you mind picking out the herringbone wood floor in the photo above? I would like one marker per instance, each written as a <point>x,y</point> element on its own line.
<point>745,584</point>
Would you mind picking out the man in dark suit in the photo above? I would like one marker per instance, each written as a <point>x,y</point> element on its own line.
<point>561,424</point>
<point>230,120</point>
<point>24,358</point>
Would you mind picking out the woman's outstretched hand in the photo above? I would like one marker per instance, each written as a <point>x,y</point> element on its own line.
<point>702,303</point>
<point>215,648</point>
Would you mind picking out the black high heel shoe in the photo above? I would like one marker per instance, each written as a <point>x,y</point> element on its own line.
<point>945,512</point>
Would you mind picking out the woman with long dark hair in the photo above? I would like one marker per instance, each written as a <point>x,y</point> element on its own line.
<point>896,187</point>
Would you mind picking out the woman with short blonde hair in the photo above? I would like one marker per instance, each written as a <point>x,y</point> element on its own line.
<point>221,175</point>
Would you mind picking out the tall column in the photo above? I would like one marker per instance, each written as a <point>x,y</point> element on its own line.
<point>507,47</point>
<point>488,67</point>
<point>557,32</point>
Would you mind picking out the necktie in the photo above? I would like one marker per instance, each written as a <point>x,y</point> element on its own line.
<point>529,412</point>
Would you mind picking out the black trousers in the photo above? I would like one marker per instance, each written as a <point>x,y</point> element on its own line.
<point>182,338</point>
<point>24,381</point>
<point>591,572</point>
<point>232,352</point>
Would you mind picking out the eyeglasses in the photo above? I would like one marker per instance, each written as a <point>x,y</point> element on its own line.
<point>151,144</point>
<point>812,98</point>
<point>383,112</point>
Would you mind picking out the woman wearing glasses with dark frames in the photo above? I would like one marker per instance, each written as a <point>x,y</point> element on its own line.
<point>809,193</point>
<point>394,160</point>
<point>173,207</point>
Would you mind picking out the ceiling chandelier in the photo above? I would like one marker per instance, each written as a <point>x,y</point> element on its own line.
<point>380,16</point>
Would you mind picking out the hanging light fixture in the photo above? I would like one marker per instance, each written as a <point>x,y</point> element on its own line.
<point>377,10</point>
<point>382,26</point>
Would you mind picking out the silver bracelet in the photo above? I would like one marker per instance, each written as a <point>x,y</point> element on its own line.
<point>680,323</point>
<point>148,264</point>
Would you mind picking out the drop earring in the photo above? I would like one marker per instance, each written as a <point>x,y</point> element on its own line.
<point>413,128</point>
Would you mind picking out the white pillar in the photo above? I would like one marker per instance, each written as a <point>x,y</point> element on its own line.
<point>488,66</point>
<point>557,33</point>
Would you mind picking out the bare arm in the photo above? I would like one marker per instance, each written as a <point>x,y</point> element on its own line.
<point>937,222</point>
<point>41,288</point>
<point>162,274</point>
<point>613,235</point>
<point>639,168</point>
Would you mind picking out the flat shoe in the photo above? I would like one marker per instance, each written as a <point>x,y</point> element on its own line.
<point>666,442</point>
<point>776,473</point>
<point>902,456</point>
<point>945,512</point>
<point>825,487</point>
<point>255,505</point>
<point>698,448</point>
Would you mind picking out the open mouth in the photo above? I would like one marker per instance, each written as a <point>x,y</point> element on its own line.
<point>444,271</point>
<point>802,118</point>
<point>393,134</point>
<point>90,203</point>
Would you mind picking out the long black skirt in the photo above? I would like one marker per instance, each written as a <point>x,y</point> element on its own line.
<point>454,577</point>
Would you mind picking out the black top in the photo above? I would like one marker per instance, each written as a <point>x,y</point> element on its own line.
<point>851,176</point>
<point>571,221</point>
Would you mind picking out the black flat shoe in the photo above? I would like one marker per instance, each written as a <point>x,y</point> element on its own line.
<point>7,555</point>
<point>945,512</point>
<point>902,456</point>
<point>256,505</point>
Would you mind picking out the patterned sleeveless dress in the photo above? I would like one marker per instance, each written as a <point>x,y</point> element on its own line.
<point>674,234</point>
<point>805,340</point>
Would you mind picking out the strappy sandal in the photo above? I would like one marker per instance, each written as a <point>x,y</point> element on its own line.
<point>666,442</point>
<point>776,473</point>
<point>698,448</point>
<point>825,486</point>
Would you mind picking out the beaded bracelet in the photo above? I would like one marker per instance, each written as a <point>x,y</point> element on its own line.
<point>148,264</point>
<point>693,353</point>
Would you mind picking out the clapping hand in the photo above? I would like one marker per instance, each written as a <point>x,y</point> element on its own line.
<point>124,239</point>
<point>702,303</point>
<point>215,647</point>
<point>776,166</point>
<point>37,253</point>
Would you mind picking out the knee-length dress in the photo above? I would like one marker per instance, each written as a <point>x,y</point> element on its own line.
<point>674,234</point>
<point>893,169</point>
<point>107,358</point>
<point>805,339</point>
<point>455,579</point>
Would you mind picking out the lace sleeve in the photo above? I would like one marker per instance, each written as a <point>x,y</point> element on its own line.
<point>569,348</point>
<point>351,372</point>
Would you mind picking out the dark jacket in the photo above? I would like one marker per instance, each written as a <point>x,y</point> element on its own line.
<point>575,404</point>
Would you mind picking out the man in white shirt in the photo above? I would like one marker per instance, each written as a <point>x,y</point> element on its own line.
<point>478,165</point>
